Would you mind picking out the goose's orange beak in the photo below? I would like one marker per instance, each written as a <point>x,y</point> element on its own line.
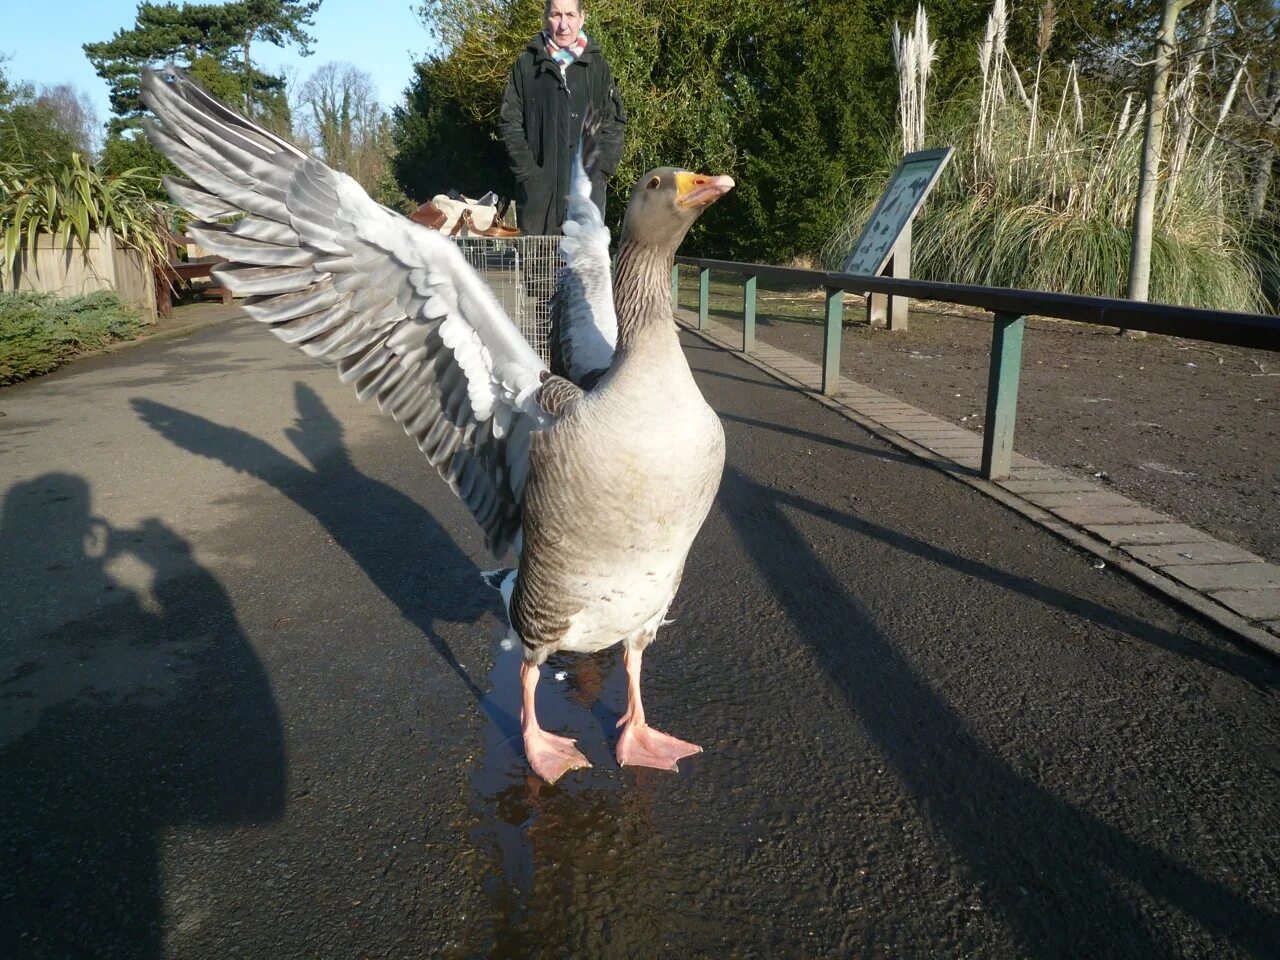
<point>699,190</point>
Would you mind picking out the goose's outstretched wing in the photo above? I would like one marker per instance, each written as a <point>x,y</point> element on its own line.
<point>584,327</point>
<point>391,303</point>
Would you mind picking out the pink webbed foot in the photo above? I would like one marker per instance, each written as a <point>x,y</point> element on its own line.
<point>643,746</point>
<point>550,756</point>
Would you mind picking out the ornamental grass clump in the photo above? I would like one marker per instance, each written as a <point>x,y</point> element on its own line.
<point>1040,193</point>
<point>73,200</point>
<point>913,55</point>
<point>39,332</point>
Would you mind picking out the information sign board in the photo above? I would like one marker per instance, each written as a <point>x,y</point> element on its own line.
<point>911,183</point>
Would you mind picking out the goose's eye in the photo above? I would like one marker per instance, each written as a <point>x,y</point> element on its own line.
<point>654,184</point>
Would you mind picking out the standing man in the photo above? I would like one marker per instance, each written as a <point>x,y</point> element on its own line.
<point>553,81</point>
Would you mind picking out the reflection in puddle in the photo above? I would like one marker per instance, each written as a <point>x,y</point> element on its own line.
<point>549,855</point>
<point>583,705</point>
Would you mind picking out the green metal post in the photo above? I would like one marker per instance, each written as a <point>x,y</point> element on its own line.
<point>1002,394</point>
<point>749,315</point>
<point>675,286</point>
<point>831,342</point>
<point>704,295</point>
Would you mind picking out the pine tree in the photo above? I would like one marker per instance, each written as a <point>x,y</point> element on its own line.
<point>213,41</point>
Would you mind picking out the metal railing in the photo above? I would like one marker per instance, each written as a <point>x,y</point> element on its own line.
<point>521,273</point>
<point>1009,309</point>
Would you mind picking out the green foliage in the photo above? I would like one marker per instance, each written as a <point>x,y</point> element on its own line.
<point>29,134</point>
<point>482,38</point>
<point>1056,213</point>
<point>670,66</point>
<point>1093,32</point>
<point>74,200</point>
<point>1263,246</point>
<point>162,33</point>
<point>29,131</point>
<point>124,152</point>
<point>214,43</point>
<point>817,102</point>
<point>387,191</point>
<point>438,146</point>
<point>785,98</point>
<point>39,332</point>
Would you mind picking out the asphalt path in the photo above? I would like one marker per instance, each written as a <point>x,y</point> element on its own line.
<point>253,703</point>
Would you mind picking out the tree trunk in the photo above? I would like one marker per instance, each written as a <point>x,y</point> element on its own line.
<point>1266,155</point>
<point>1261,182</point>
<point>1152,145</point>
<point>248,77</point>
<point>1180,150</point>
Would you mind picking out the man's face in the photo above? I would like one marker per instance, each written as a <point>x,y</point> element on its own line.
<point>564,20</point>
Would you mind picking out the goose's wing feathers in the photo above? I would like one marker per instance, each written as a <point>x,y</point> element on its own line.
<point>584,327</point>
<point>392,304</point>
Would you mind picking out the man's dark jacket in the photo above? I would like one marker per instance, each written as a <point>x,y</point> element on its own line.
<point>541,120</point>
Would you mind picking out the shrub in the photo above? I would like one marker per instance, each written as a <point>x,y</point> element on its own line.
<point>39,332</point>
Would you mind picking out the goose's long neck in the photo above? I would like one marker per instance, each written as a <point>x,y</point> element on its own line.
<point>642,290</point>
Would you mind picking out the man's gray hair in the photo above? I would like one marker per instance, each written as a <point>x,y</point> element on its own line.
<point>546,7</point>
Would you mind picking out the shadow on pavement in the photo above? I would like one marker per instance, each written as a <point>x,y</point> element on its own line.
<point>525,833</point>
<point>1242,665</point>
<point>123,715</point>
<point>1055,874</point>
<point>721,375</point>
<point>885,452</point>
<point>404,550</point>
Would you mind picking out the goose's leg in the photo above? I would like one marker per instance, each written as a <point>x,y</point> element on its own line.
<point>641,745</point>
<point>550,756</point>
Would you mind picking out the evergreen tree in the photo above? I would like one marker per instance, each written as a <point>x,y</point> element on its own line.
<point>438,146</point>
<point>213,41</point>
<point>822,99</point>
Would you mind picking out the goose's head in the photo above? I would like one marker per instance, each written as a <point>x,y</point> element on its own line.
<point>665,203</point>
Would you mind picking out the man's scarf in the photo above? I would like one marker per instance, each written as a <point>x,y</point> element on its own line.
<point>565,55</point>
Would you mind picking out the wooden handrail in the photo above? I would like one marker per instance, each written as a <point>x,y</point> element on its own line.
<point>1258,331</point>
<point>1009,309</point>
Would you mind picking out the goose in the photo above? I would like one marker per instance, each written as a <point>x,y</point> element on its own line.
<point>598,476</point>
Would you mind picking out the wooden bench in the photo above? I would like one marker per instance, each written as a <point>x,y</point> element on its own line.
<point>183,272</point>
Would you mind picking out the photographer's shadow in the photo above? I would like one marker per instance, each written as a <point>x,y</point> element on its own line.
<point>124,714</point>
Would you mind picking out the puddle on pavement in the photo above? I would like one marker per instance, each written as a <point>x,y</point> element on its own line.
<point>543,849</point>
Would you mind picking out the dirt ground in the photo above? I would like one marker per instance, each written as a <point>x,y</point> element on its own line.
<point>1190,429</point>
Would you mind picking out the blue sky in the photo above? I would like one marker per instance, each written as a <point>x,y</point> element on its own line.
<point>43,42</point>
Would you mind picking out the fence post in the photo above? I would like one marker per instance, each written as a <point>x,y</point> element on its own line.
<point>902,269</point>
<point>1002,394</point>
<point>675,287</point>
<point>831,342</point>
<point>886,309</point>
<point>749,314</point>
<point>704,295</point>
